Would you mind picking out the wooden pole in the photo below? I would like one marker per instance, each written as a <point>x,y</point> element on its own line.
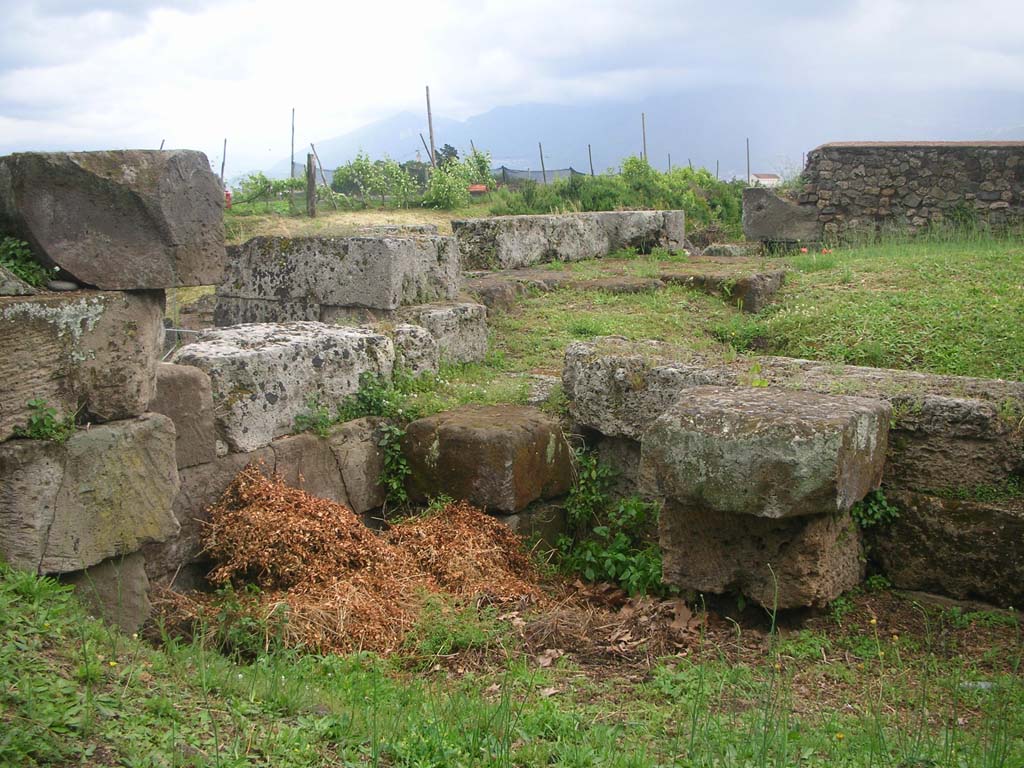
<point>543,171</point>
<point>716,169</point>
<point>162,143</point>
<point>310,186</point>
<point>323,176</point>
<point>591,156</point>
<point>291,169</point>
<point>689,162</point>
<point>670,162</point>
<point>427,150</point>
<point>430,126</point>
<point>223,160</point>
<point>748,161</point>
<point>643,129</point>
<point>472,146</point>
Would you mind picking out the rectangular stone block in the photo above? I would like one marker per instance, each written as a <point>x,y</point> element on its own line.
<point>118,220</point>
<point>94,353</point>
<point>460,329</point>
<point>947,432</point>
<point>105,492</point>
<point>789,563</point>
<point>766,452</point>
<point>183,394</point>
<point>230,310</point>
<point>306,461</point>
<point>264,375</point>
<point>374,272</point>
<point>356,448</point>
<point>508,242</point>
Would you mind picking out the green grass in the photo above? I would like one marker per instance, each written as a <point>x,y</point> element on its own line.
<point>936,304</point>
<point>73,691</point>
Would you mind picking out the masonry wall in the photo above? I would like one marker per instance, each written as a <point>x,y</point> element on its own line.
<point>871,186</point>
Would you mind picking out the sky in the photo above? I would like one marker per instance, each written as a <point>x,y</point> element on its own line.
<point>99,74</point>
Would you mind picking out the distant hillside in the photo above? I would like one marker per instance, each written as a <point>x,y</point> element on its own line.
<point>704,127</point>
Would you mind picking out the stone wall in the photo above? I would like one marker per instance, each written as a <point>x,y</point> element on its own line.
<point>873,186</point>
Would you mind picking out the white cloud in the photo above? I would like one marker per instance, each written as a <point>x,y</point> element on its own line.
<point>75,73</point>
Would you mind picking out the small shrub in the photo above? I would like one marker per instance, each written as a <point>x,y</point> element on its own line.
<point>317,418</point>
<point>44,424</point>
<point>874,510</point>
<point>396,467</point>
<point>16,255</point>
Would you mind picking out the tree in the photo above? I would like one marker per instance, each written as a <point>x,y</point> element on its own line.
<point>445,155</point>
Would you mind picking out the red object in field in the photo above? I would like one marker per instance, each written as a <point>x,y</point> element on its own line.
<point>477,189</point>
<point>227,198</point>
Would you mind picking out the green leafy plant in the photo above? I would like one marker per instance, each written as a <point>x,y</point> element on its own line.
<point>611,540</point>
<point>396,467</point>
<point>316,418</point>
<point>45,424</point>
<point>377,396</point>
<point>874,510</point>
<point>16,256</point>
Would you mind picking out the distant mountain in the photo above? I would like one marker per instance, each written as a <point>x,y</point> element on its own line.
<point>706,127</point>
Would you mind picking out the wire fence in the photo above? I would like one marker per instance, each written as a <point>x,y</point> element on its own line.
<point>502,174</point>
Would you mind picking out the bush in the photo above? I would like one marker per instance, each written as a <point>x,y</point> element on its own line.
<point>16,256</point>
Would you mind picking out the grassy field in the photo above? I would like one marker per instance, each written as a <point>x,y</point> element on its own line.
<point>880,681</point>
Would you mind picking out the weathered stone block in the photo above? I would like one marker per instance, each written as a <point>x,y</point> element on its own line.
<point>416,350</point>
<point>504,242</point>
<point>771,218</point>
<point>86,352</point>
<point>118,220</point>
<point>356,448</point>
<point>183,394</point>
<point>375,272</point>
<point>766,452</point>
<point>105,492</point>
<point>306,461</point>
<point>264,375</point>
<point>967,549</point>
<point>234,311</point>
<point>12,285</point>
<point>542,522</point>
<point>460,329</point>
<point>751,292</point>
<point>498,457</point>
<point>116,590</point>
<point>788,563</point>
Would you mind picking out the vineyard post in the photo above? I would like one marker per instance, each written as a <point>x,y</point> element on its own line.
<point>223,160</point>
<point>543,172</point>
<point>323,175</point>
<point>310,186</point>
<point>591,156</point>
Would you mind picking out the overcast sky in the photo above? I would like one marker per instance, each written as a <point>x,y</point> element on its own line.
<point>89,74</point>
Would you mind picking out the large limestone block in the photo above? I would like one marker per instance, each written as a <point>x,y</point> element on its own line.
<point>356,448</point>
<point>118,220</point>
<point>264,375</point>
<point>104,493</point>
<point>416,350</point>
<point>233,311</point>
<point>771,218</point>
<point>375,272</point>
<point>947,432</point>
<point>510,242</point>
<point>497,457</point>
<point>788,563</point>
<point>178,560</point>
<point>12,285</point>
<point>766,452</point>
<point>967,549</point>
<point>116,590</point>
<point>183,394</point>
<point>94,353</point>
<point>460,329</point>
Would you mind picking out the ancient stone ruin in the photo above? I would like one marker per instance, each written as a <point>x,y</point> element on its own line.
<point>757,462</point>
<point>855,188</point>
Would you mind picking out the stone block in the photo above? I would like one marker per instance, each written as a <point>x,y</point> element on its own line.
<point>178,560</point>
<point>230,311</point>
<point>508,242</point>
<point>94,353</point>
<point>306,461</point>
<point>183,394</point>
<point>116,590</point>
<point>498,457</point>
<point>416,350</point>
<point>264,375</point>
<point>105,492</point>
<point>751,292</point>
<point>770,218</point>
<point>118,220</point>
<point>791,562</point>
<point>12,285</point>
<point>542,522</point>
<point>356,448</point>
<point>460,329</point>
<point>374,272</point>
<point>967,549</point>
<point>766,452</point>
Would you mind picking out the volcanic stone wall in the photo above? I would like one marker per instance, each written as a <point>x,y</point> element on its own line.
<point>910,185</point>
